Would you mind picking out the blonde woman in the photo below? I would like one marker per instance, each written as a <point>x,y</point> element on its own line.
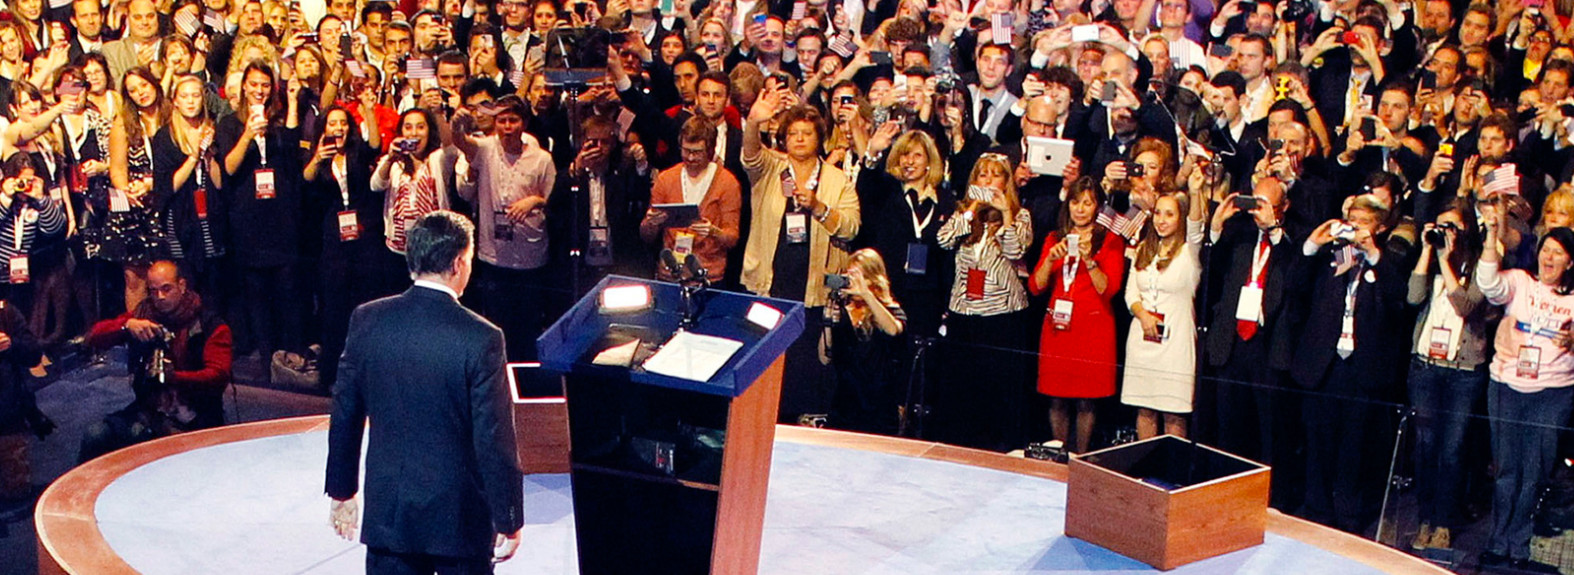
<point>907,191</point>
<point>1557,211</point>
<point>713,40</point>
<point>866,347</point>
<point>189,180</point>
<point>13,44</point>
<point>987,329</point>
<point>1161,346</point>
<point>253,47</point>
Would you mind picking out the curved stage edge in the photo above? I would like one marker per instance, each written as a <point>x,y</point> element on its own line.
<point>69,540</point>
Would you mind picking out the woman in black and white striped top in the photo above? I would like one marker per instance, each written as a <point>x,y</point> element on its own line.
<point>986,330</point>
<point>27,215</point>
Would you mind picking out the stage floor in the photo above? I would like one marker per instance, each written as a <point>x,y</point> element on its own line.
<point>256,506</point>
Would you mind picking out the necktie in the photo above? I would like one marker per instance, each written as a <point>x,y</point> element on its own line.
<point>983,113</point>
<point>1247,329</point>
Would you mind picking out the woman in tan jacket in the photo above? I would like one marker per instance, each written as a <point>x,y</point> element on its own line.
<point>696,180</point>
<point>804,210</point>
<point>804,213</point>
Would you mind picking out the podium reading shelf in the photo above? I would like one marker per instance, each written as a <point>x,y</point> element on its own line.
<point>663,465</point>
<point>1166,501</point>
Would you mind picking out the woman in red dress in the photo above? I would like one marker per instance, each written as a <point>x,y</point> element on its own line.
<point>1076,353</point>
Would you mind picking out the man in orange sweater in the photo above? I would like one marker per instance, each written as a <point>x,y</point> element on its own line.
<point>701,181</point>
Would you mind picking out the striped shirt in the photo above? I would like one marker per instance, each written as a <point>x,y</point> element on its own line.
<point>36,218</point>
<point>1000,258</point>
<point>410,196</point>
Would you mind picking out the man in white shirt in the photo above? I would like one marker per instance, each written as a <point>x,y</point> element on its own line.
<point>513,177</point>
<point>991,100</point>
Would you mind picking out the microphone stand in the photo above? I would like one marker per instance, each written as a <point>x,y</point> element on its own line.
<point>578,231</point>
<point>1204,293</point>
<point>696,290</point>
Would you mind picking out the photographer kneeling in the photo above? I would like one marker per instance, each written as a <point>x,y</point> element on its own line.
<point>179,356</point>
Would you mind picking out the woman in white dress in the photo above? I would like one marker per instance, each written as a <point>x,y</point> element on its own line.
<point>1161,345</point>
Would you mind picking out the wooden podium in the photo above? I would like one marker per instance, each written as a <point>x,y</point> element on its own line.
<point>1166,501</point>
<point>669,474</point>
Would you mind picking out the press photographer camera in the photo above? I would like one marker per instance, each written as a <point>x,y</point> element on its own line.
<point>179,356</point>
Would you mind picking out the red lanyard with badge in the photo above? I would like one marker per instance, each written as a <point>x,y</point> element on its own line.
<point>349,224</point>
<point>266,189</point>
<point>1528,364</point>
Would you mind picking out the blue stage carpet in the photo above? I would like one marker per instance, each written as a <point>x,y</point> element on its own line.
<point>257,507</point>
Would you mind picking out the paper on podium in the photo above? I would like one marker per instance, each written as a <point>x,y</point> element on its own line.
<point>692,356</point>
<point>622,355</point>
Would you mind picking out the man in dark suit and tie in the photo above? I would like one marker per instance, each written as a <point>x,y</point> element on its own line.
<point>1354,291</point>
<point>1248,342</point>
<point>443,490</point>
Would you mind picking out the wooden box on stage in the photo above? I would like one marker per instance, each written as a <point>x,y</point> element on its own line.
<point>540,419</point>
<point>1166,501</point>
<point>669,474</point>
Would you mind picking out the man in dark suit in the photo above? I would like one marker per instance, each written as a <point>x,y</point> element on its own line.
<point>1248,341</point>
<point>1355,293</point>
<point>443,490</point>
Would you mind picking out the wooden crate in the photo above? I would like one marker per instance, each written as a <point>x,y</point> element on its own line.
<point>541,435</point>
<point>1166,501</point>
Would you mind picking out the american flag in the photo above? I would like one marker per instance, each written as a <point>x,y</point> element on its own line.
<point>186,23</point>
<point>1504,179</point>
<point>516,76</point>
<point>421,69</point>
<point>354,67</point>
<point>214,20</point>
<point>799,9</point>
<point>843,46</point>
<point>1001,27</point>
<point>1127,224</point>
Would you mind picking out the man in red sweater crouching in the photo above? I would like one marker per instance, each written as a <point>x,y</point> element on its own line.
<point>179,357</point>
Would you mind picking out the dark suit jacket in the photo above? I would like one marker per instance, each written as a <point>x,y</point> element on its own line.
<point>442,475</point>
<point>1327,88</point>
<point>1378,305</point>
<point>1233,252</point>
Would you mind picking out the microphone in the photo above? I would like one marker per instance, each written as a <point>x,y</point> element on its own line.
<point>669,261</point>
<point>696,271</point>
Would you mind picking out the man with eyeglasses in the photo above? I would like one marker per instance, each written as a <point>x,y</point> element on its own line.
<point>517,36</point>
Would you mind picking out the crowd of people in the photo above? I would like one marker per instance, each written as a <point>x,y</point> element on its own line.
<point>1287,217</point>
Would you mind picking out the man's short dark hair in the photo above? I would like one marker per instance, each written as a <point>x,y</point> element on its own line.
<point>1562,66</point>
<point>436,241</point>
<point>693,58</point>
<point>454,57</point>
<point>904,30</point>
<point>479,85</point>
<point>1066,77</point>
<point>378,7</point>
<point>716,76</point>
<point>1502,122</point>
<point>513,104</point>
<point>1232,80</point>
